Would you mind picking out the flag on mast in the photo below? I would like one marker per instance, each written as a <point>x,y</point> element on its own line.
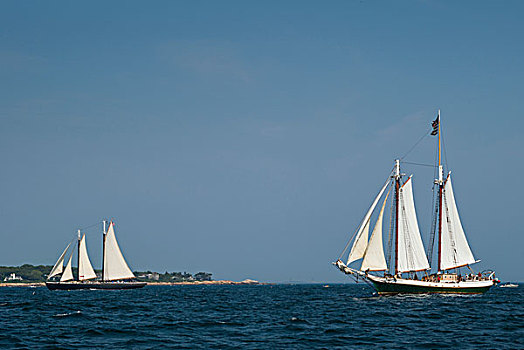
<point>434,124</point>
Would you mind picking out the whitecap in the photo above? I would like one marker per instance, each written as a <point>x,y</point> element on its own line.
<point>74,313</point>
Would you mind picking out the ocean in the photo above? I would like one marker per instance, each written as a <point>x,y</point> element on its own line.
<point>343,316</point>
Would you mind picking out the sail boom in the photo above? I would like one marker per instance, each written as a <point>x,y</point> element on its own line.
<point>426,269</point>
<point>459,266</point>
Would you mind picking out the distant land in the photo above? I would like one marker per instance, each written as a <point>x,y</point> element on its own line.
<point>36,275</point>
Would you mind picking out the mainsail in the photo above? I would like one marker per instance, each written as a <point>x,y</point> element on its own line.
<point>59,266</point>
<point>68,272</point>
<point>455,251</point>
<point>115,266</point>
<point>85,270</point>
<point>411,255</point>
<point>374,259</point>
<point>361,239</point>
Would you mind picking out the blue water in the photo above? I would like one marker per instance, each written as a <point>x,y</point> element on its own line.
<point>258,317</point>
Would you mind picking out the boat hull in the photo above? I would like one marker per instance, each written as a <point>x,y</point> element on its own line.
<point>403,286</point>
<point>93,285</point>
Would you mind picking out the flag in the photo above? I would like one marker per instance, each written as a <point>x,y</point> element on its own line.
<point>434,124</point>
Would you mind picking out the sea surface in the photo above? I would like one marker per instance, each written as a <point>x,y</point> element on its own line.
<point>258,317</point>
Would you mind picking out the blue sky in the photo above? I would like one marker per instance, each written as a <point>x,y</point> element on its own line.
<point>248,138</point>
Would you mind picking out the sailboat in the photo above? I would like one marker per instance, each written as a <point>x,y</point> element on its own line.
<point>116,274</point>
<point>409,267</point>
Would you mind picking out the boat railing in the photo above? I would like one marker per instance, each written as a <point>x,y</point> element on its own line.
<point>487,275</point>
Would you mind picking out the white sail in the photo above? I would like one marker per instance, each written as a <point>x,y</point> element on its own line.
<point>411,255</point>
<point>85,270</point>
<point>360,244</point>
<point>455,251</point>
<point>59,266</point>
<point>115,266</point>
<point>361,238</point>
<point>68,272</point>
<point>374,259</point>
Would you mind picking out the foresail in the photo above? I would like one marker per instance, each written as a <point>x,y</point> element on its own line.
<point>360,244</point>
<point>68,272</point>
<point>115,266</point>
<point>411,254</point>
<point>455,250</point>
<point>374,259</point>
<point>59,266</point>
<point>85,270</point>
<point>361,238</point>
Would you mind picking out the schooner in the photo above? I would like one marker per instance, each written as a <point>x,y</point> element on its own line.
<point>409,266</point>
<point>116,274</point>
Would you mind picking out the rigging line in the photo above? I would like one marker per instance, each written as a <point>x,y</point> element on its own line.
<point>71,242</point>
<point>434,215</point>
<point>432,228</point>
<point>358,227</point>
<point>450,231</point>
<point>93,225</point>
<point>369,283</point>
<point>74,241</point>
<point>416,144</point>
<point>354,276</point>
<point>445,158</point>
<point>421,164</point>
<point>407,238</point>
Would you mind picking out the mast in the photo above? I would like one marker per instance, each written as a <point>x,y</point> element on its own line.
<point>440,187</point>
<point>78,257</point>
<point>397,187</point>
<point>103,247</point>
<point>440,182</point>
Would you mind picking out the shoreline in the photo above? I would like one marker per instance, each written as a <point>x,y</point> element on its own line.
<point>22,284</point>
<point>220,282</point>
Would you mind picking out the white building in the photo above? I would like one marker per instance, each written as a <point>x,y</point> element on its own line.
<point>13,277</point>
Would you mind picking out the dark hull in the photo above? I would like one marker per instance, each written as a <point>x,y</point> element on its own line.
<point>94,285</point>
<point>392,288</point>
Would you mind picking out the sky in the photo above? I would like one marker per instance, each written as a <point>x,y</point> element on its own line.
<point>248,138</point>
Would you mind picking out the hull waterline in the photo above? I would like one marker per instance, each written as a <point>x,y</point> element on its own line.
<point>401,286</point>
<point>94,285</point>
<point>391,285</point>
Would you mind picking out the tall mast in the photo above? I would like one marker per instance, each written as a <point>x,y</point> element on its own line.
<point>103,247</point>
<point>397,187</point>
<point>440,189</point>
<point>78,257</point>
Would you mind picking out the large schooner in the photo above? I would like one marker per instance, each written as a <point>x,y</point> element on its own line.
<point>409,266</point>
<point>116,274</point>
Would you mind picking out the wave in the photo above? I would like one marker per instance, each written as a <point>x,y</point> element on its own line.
<point>258,318</point>
<point>67,314</point>
<point>298,320</point>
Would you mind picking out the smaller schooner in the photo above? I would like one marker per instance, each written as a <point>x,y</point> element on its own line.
<point>409,266</point>
<point>116,274</point>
